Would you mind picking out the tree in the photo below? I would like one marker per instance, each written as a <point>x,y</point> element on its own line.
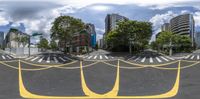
<point>53,45</point>
<point>43,44</point>
<point>64,27</point>
<point>137,32</point>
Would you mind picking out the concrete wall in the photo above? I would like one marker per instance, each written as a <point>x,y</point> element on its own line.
<point>22,51</point>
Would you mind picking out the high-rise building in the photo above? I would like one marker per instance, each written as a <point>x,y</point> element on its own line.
<point>1,39</point>
<point>111,23</point>
<point>183,25</point>
<point>197,39</point>
<point>165,27</point>
<point>91,30</point>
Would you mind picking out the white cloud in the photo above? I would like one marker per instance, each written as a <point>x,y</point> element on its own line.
<point>197,18</point>
<point>160,19</point>
<point>100,8</point>
<point>3,20</point>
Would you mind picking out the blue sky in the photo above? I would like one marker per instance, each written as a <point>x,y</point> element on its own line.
<point>36,16</point>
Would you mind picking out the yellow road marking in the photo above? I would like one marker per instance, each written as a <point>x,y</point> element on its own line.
<point>112,94</point>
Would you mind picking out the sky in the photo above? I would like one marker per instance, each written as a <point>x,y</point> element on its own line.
<point>37,15</point>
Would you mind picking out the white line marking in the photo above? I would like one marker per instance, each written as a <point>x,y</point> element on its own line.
<point>62,59</point>
<point>164,58</point>
<point>9,57</point>
<point>100,57</point>
<point>35,58</point>
<point>3,57</point>
<point>131,58</point>
<point>137,59</point>
<point>68,58</point>
<point>158,59</point>
<point>105,56</point>
<point>29,58</point>
<point>198,57</point>
<point>151,60</point>
<point>55,59</point>
<point>187,56</point>
<point>48,60</point>
<point>192,57</point>
<point>143,59</point>
<point>40,60</point>
<point>95,56</point>
<point>169,58</point>
<point>89,57</point>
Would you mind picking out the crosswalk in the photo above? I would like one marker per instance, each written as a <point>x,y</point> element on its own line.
<point>98,57</point>
<point>48,59</point>
<point>192,57</point>
<point>157,59</point>
<point>6,57</point>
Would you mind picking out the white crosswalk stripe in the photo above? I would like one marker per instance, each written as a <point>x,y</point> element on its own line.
<point>40,60</point>
<point>100,57</point>
<point>62,59</point>
<point>158,59</point>
<point>3,57</point>
<point>169,58</point>
<point>8,56</point>
<point>29,58</point>
<point>68,58</point>
<point>164,58</point>
<point>35,58</point>
<point>55,59</point>
<point>48,60</point>
<point>132,58</point>
<point>105,56</point>
<point>95,56</point>
<point>192,57</point>
<point>143,59</point>
<point>137,59</point>
<point>198,57</point>
<point>151,60</point>
<point>89,57</point>
<point>85,56</point>
<point>187,56</point>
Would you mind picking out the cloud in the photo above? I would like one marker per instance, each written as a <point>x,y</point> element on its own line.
<point>3,21</point>
<point>197,19</point>
<point>160,19</point>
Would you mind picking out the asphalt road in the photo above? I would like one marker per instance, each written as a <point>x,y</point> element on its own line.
<point>99,79</point>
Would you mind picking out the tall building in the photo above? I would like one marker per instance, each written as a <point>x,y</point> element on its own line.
<point>111,23</point>
<point>197,39</point>
<point>1,39</point>
<point>91,30</point>
<point>183,25</point>
<point>165,27</point>
<point>11,39</point>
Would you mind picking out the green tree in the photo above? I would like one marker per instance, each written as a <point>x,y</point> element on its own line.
<point>138,32</point>
<point>43,44</point>
<point>53,45</point>
<point>64,27</point>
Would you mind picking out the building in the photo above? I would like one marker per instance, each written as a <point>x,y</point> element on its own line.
<point>100,43</point>
<point>111,24</point>
<point>183,25</point>
<point>1,40</point>
<point>165,27</point>
<point>197,39</point>
<point>91,30</point>
<point>81,42</point>
<point>12,39</point>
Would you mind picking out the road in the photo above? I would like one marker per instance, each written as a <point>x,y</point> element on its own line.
<point>117,77</point>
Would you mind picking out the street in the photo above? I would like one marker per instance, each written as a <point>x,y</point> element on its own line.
<point>117,77</point>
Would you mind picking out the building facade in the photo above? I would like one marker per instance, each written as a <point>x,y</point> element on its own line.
<point>183,25</point>
<point>11,39</point>
<point>111,21</point>
<point>165,27</point>
<point>81,42</point>
<point>1,39</point>
<point>197,39</point>
<point>90,28</point>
